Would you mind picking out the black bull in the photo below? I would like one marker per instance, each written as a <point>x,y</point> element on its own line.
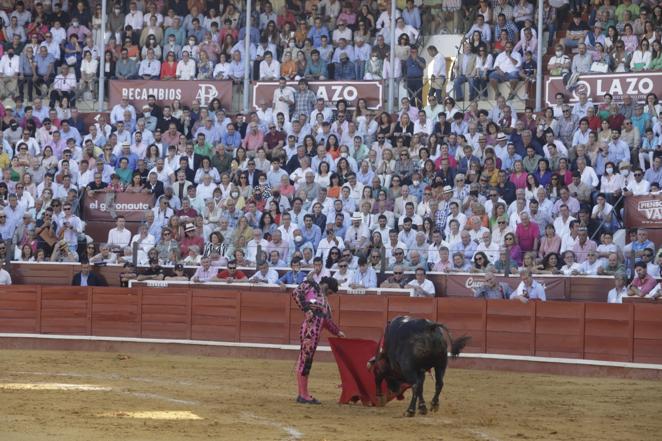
<point>410,347</point>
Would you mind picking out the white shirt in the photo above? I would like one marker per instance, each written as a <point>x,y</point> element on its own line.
<point>269,71</point>
<point>5,278</point>
<point>616,296</point>
<point>427,287</point>
<point>270,277</point>
<point>185,70</point>
<point>135,19</point>
<point>9,67</point>
<point>439,66</point>
<point>119,238</point>
<point>505,63</point>
<point>65,83</point>
<point>149,67</point>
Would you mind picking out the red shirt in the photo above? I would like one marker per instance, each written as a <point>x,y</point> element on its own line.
<point>225,274</point>
<point>168,70</point>
<point>526,236</point>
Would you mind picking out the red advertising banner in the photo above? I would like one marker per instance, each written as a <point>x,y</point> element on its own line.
<point>643,211</point>
<point>331,91</point>
<point>166,92</point>
<point>636,85</point>
<point>105,207</point>
<point>462,285</point>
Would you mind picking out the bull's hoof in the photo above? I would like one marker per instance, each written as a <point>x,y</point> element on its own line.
<point>423,410</point>
<point>434,407</point>
<point>410,413</point>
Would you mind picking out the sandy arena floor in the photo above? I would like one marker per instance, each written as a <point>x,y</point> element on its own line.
<point>241,399</point>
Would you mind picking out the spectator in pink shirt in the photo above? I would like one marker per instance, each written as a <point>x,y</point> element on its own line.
<point>642,283</point>
<point>527,233</point>
<point>583,245</point>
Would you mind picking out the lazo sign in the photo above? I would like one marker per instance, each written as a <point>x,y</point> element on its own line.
<point>636,85</point>
<point>165,92</point>
<point>105,207</point>
<point>330,91</point>
<point>643,211</point>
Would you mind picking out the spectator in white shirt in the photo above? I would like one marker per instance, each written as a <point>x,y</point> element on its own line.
<point>119,237</point>
<point>506,68</point>
<point>88,73</point>
<point>264,274</point>
<point>421,285</point>
<point>134,18</point>
<point>620,289</point>
<point>9,69</point>
<point>269,68</point>
<point>185,68</point>
<point>64,85</point>
<point>150,67</point>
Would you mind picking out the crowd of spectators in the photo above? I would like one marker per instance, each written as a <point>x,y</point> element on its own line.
<point>322,187</point>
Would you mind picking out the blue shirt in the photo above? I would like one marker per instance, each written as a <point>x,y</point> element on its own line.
<point>231,140</point>
<point>414,70</point>
<point>291,278</point>
<point>43,63</point>
<point>412,18</point>
<point>368,279</point>
<point>312,235</point>
<point>638,246</point>
<point>315,34</point>
<point>345,71</point>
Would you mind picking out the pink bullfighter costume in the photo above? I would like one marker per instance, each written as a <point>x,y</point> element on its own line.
<point>309,298</point>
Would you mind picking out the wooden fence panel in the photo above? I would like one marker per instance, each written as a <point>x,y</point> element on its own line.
<point>65,310</point>
<point>464,317</point>
<point>424,307</point>
<point>647,333</point>
<point>264,316</point>
<point>510,327</point>
<point>560,329</point>
<point>215,314</point>
<point>363,316</point>
<point>165,313</point>
<point>19,309</point>
<point>609,332</point>
<point>589,289</point>
<point>116,312</point>
<point>36,274</point>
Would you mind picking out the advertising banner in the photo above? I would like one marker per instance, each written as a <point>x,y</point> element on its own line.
<point>636,85</point>
<point>331,91</point>
<point>166,92</point>
<point>643,211</point>
<point>105,207</point>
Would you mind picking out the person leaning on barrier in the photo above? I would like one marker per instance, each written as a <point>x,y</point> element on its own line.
<point>153,272</point>
<point>397,280</point>
<point>293,277</point>
<point>492,289</point>
<point>177,274</point>
<point>264,274</point>
<point>620,289</point>
<point>231,274</point>
<point>643,283</point>
<point>422,286</point>
<point>528,289</point>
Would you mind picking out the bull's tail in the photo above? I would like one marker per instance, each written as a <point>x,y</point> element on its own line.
<point>455,346</point>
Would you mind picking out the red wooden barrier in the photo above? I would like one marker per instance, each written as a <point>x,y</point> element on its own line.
<point>511,327</point>
<point>215,314</point>
<point>165,313</point>
<point>465,317</point>
<point>363,316</point>
<point>647,335</point>
<point>609,332</point>
<point>265,317</point>
<point>560,329</point>
<point>19,309</point>
<point>65,311</point>
<point>116,312</point>
<point>627,332</point>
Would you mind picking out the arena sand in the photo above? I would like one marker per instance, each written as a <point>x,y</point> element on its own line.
<point>104,396</point>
